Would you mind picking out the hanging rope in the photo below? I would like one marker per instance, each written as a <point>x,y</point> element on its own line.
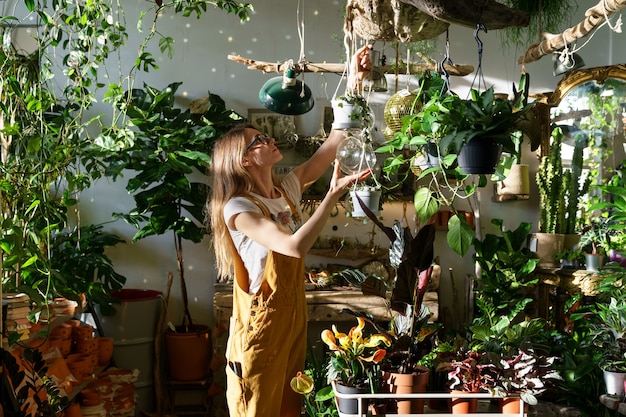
<point>618,25</point>
<point>302,58</point>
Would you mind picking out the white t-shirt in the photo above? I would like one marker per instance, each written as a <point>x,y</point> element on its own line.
<point>253,254</point>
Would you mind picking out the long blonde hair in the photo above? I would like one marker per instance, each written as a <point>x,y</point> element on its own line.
<point>230,179</point>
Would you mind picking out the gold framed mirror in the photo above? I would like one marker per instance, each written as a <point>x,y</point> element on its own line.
<point>589,102</point>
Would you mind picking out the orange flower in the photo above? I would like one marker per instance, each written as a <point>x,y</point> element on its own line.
<point>353,352</point>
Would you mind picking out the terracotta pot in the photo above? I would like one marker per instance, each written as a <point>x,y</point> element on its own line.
<point>59,369</point>
<point>79,366</point>
<point>55,342</point>
<point>89,397</point>
<point>40,344</point>
<point>73,411</point>
<point>189,354</point>
<point>63,307</point>
<point>74,322</point>
<point>103,385</point>
<point>81,332</point>
<point>510,405</point>
<point>409,384</point>
<point>378,409</point>
<point>87,346</point>
<point>462,405</point>
<point>105,350</point>
<point>66,347</point>
<point>64,331</point>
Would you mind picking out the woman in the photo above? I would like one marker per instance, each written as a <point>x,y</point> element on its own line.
<point>258,233</point>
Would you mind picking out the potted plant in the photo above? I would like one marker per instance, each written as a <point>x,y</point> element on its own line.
<point>506,268</point>
<point>445,123</point>
<point>170,146</point>
<point>560,193</point>
<point>469,371</point>
<point>352,359</point>
<point>351,111</point>
<point>483,129</point>
<point>596,241</point>
<point>608,336</point>
<point>526,374</point>
<point>409,332</point>
<point>570,258</point>
<point>356,154</point>
<point>615,208</point>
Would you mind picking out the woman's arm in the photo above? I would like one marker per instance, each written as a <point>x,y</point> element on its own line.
<point>267,233</point>
<point>311,170</point>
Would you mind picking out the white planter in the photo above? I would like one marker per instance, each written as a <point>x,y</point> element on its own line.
<point>593,262</point>
<point>345,114</point>
<point>614,382</point>
<point>517,182</point>
<point>371,198</point>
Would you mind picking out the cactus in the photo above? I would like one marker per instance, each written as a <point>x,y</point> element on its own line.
<point>551,193</point>
<point>577,187</point>
<point>560,190</point>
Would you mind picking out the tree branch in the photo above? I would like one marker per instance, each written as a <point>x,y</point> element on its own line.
<point>594,16</point>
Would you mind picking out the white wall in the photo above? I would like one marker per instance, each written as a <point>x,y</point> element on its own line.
<point>201,63</point>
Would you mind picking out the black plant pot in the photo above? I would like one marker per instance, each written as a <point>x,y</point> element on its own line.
<point>479,156</point>
<point>349,405</point>
<point>432,155</point>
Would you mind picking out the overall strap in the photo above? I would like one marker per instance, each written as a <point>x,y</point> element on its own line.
<point>241,273</point>
<point>292,206</point>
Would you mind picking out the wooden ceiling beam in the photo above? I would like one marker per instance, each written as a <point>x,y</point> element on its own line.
<point>338,68</point>
<point>594,17</point>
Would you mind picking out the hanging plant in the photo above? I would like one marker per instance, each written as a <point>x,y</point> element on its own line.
<point>545,16</point>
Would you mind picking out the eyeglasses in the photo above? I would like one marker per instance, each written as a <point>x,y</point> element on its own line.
<point>261,138</point>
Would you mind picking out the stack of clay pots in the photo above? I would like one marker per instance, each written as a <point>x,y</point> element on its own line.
<point>123,399</point>
<point>83,352</point>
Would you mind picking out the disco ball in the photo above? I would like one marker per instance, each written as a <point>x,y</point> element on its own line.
<point>400,104</point>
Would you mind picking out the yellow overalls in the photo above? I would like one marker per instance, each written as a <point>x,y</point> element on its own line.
<point>267,339</point>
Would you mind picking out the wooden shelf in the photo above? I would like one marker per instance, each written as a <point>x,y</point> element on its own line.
<point>351,253</point>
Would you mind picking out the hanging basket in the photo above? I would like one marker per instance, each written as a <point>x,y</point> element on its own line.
<point>390,21</point>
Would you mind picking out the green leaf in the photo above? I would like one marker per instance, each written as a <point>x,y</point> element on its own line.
<point>425,204</point>
<point>460,235</point>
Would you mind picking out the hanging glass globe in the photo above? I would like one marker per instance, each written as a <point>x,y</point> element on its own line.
<point>355,155</point>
